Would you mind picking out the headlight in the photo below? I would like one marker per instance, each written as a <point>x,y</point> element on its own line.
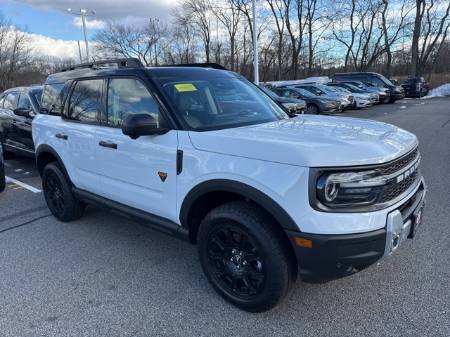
<point>292,107</point>
<point>364,189</point>
<point>349,188</point>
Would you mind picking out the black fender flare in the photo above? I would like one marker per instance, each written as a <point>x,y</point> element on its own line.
<point>248,192</point>
<point>44,148</point>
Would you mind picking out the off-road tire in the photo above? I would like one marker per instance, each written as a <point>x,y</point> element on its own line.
<point>275,264</point>
<point>58,194</point>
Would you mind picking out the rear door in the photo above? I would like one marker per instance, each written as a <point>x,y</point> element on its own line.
<point>8,120</point>
<point>140,173</point>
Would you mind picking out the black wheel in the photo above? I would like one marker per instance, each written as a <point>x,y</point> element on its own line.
<point>58,194</point>
<point>312,109</point>
<point>244,257</point>
<point>2,175</point>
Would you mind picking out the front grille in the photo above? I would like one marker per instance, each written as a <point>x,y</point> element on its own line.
<point>400,163</point>
<point>394,189</point>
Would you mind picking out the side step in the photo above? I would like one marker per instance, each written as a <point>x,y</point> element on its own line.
<point>149,220</point>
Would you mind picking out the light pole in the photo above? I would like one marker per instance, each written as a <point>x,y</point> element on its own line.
<point>255,45</point>
<point>83,13</point>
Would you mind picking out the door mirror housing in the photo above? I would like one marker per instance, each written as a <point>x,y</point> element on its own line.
<point>24,112</point>
<point>137,125</point>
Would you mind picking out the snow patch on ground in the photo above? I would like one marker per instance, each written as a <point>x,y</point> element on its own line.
<point>441,91</point>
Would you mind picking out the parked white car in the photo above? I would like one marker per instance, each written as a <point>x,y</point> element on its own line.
<point>360,100</point>
<point>204,155</point>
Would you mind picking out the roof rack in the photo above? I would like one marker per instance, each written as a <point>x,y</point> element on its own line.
<point>199,65</point>
<point>120,63</point>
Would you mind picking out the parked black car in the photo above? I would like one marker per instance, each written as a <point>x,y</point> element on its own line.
<point>415,87</point>
<point>293,106</point>
<point>378,80</point>
<point>314,104</point>
<point>2,172</point>
<point>18,106</point>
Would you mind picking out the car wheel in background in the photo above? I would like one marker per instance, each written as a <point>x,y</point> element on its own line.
<point>312,109</point>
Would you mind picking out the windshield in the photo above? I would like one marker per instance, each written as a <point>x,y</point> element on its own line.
<point>385,80</point>
<point>354,89</point>
<point>269,92</point>
<point>340,89</point>
<point>209,100</point>
<point>36,96</point>
<point>330,90</point>
<point>305,93</point>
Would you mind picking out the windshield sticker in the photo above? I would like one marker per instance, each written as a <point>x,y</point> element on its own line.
<point>185,87</point>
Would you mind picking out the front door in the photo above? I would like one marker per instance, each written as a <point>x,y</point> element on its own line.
<point>140,173</point>
<point>85,110</point>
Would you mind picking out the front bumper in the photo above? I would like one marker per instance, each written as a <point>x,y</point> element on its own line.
<point>363,104</point>
<point>327,257</point>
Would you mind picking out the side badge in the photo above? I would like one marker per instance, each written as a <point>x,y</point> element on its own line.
<point>162,176</point>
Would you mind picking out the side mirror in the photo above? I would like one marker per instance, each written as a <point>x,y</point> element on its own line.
<point>137,125</point>
<point>24,112</point>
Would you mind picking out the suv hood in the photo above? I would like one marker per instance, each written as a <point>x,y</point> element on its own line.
<point>312,141</point>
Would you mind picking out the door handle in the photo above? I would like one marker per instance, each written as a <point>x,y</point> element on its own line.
<point>61,136</point>
<point>108,144</point>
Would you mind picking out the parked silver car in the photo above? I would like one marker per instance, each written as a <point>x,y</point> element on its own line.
<point>322,90</point>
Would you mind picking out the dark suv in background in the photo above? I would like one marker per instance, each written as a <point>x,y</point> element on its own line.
<point>415,87</point>
<point>375,79</point>
<point>18,107</point>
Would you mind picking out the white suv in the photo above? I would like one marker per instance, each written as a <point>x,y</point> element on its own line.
<point>204,155</point>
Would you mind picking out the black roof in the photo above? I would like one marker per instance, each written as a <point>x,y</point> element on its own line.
<point>131,67</point>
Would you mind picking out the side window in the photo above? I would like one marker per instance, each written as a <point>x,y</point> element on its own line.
<point>2,99</point>
<point>377,82</point>
<point>24,102</point>
<point>86,101</point>
<point>51,98</point>
<point>129,96</point>
<point>11,101</point>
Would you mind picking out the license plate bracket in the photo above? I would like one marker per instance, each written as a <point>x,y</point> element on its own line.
<point>416,219</point>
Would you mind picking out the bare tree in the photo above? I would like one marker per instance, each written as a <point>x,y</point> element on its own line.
<point>129,41</point>
<point>198,12</point>
<point>230,17</point>
<point>15,54</point>
<point>394,28</point>
<point>279,15</point>
<point>431,26</point>
<point>295,28</point>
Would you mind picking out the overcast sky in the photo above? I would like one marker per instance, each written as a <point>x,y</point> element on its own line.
<point>54,31</point>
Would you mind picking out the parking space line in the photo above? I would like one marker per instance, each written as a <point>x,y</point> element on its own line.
<point>21,184</point>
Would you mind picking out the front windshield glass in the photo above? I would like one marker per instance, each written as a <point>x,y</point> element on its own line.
<point>36,96</point>
<point>209,100</point>
<point>354,89</point>
<point>269,92</point>
<point>340,89</point>
<point>385,80</point>
<point>330,90</point>
<point>305,93</point>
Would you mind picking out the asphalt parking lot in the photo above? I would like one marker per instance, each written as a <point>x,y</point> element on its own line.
<point>107,276</point>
